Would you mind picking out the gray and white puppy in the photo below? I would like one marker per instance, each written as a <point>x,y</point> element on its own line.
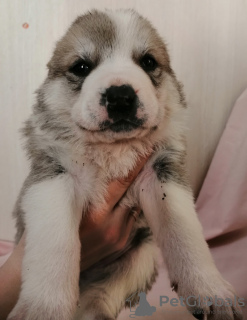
<point>110,97</point>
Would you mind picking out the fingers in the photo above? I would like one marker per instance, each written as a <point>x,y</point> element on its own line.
<point>133,215</point>
<point>131,219</point>
<point>120,215</point>
<point>117,188</point>
<point>123,221</point>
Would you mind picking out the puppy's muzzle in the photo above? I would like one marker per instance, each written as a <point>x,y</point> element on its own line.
<point>121,103</point>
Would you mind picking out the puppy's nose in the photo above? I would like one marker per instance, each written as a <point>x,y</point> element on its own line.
<point>121,102</point>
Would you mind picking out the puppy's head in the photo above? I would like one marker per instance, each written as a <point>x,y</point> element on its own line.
<point>109,72</point>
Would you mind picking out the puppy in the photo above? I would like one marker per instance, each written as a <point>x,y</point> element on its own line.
<point>110,97</point>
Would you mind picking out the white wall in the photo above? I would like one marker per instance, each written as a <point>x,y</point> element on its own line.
<point>207,40</point>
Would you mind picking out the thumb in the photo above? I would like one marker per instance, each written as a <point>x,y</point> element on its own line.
<point>117,188</point>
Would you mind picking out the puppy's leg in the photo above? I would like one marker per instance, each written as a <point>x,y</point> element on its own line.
<point>50,271</point>
<point>169,208</point>
<point>104,297</point>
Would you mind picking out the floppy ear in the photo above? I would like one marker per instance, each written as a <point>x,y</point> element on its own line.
<point>57,64</point>
<point>63,54</point>
<point>66,48</point>
<point>49,65</point>
<point>53,67</point>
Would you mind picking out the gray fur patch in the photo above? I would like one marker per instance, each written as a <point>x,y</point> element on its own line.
<point>171,166</point>
<point>141,235</point>
<point>44,163</point>
<point>43,168</point>
<point>18,214</point>
<point>59,126</point>
<point>50,123</point>
<point>179,87</point>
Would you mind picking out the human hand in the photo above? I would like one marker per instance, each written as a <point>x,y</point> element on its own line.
<point>106,232</point>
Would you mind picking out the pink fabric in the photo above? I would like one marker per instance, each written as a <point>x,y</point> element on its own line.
<point>222,210</point>
<point>222,203</point>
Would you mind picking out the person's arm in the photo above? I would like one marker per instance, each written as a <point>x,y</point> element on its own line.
<point>10,280</point>
<point>102,234</point>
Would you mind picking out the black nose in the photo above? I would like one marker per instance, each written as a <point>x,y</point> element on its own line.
<point>121,102</point>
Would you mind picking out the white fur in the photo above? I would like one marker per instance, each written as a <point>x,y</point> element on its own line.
<point>52,250</point>
<point>179,235</point>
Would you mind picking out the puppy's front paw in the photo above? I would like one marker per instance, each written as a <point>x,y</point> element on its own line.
<point>18,313</point>
<point>93,307</point>
<point>40,309</point>
<point>211,299</point>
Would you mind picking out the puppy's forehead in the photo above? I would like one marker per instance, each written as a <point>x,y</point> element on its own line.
<point>133,32</point>
<point>98,35</point>
<point>95,29</point>
<point>89,35</point>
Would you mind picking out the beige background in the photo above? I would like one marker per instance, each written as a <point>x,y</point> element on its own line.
<point>207,40</point>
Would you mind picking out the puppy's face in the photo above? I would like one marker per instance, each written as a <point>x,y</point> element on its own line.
<point>108,71</point>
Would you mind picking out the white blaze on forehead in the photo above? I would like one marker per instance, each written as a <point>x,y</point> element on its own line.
<point>85,48</point>
<point>127,36</point>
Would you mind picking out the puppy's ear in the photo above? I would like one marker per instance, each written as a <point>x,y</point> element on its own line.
<point>52,70</point>
<point>49,67</point>
<point>52,65</point>
<point>58,63</point>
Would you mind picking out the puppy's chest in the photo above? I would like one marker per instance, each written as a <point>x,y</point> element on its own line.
<point>91,181</point>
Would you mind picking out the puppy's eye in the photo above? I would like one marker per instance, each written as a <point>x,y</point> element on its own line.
<point>81,68</point>
<point>148,63</point>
